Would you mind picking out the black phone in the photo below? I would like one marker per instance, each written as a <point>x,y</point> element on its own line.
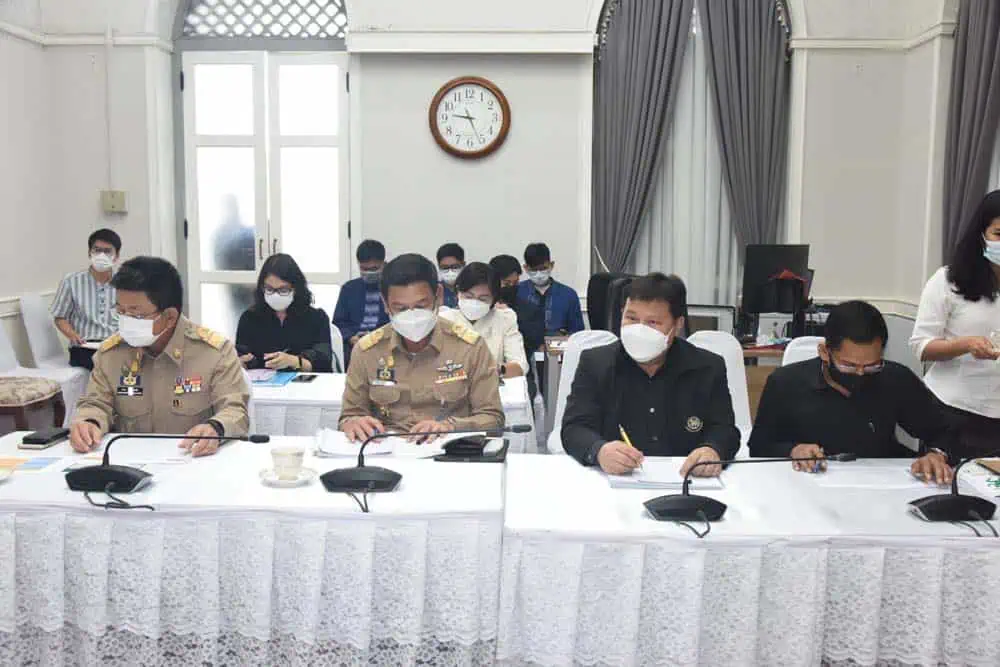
<point>44,438</point>
<point>303,378</point>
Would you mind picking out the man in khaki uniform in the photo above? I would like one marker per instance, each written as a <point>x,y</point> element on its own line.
<point>419,374</point>
<point>161,373</point>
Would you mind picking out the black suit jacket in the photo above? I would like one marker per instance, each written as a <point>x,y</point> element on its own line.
<point>696,386</point>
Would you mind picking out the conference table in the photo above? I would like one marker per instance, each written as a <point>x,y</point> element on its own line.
<point>227,571</point>
<point>300,408</point>
<point>802,570</point>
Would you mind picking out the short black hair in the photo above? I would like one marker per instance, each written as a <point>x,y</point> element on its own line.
<point>657,286</point>
<point>408,269</point>
<point>504,265</point>
<point>106,235</point>
<point>153,276</point>
<point>284,267</point>
<point>451,250</point>
<point>536,254</point>
<point>970,272</point>
<point>856,321</point>
<point>371,250</point>
<point>478,273</point>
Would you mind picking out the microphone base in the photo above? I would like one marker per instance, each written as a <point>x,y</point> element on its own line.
<point>678,507</point>
<point>117,479</point>
<point>372,479</point>
<point>953,507</point>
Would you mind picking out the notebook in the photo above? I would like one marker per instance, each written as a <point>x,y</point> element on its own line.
<point>662,473</point>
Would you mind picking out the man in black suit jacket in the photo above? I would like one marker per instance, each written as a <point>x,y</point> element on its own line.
<point>669,397</point>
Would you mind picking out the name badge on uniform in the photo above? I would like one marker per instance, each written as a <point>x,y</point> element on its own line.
<point>129,384</point>
<point>451,372</point>
<point>385,376</point>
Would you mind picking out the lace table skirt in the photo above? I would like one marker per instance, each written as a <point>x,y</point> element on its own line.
<point>727,603</point>
<point>247,589</point>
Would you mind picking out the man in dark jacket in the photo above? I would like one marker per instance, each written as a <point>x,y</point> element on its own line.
<point>651,394</point>
<point>359,307</point>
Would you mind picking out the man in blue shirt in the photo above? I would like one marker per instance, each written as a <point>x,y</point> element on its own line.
<point>359,307</point>
<point>560,302</point>
<point>451,261</point>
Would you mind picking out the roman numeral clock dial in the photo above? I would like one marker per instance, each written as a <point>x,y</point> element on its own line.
<point>469,117</point>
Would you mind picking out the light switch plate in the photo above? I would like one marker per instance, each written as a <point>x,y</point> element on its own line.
<point>114,202</point>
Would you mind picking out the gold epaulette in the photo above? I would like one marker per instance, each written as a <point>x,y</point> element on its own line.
<point>464,333</point>
<point>111,342</point>
<point>369,341</point>
<point>213,338</point>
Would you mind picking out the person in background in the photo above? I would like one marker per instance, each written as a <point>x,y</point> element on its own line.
<point>84,304</point>
<point>282,330</point>
<point>530,316</point>
<point>451,261</point>
<point>161,373</point>
<point>957,329</point>
<point>477,287</point>
<point>508,270</point>
<point>359,308</point>
<point>560,303</point>
<point>651,393</point>
<point>850,400</point>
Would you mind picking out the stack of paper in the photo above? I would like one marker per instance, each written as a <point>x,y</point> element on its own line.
<point>261,374</point>
<point>336,443</point>
<point>661,473</point>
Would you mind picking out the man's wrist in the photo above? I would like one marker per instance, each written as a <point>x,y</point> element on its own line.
<point>595,449</point>
<point>220,430</point>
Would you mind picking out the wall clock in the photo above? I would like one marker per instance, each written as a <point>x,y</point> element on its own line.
<point>469,117</point>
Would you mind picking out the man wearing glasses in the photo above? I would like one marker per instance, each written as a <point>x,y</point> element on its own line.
<point>850,400</point>
<point>161,373</point>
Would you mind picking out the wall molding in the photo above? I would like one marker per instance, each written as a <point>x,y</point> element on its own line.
<point>944,29</point>
<point>10,306</point>
<point>374,39</point>
<point>83,39</point>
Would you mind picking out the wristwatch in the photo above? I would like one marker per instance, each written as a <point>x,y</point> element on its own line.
<point>503,370</point>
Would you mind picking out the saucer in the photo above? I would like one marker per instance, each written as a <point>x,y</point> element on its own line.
<point>269,478</point>
<point>5,473</point>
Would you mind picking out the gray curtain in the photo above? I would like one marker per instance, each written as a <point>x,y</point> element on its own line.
<point>638,67</point>
<point>749,69</point>
<point>973,115</point>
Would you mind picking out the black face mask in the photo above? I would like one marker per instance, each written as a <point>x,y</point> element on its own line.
<point>850,381</point>
<point>508,294</point>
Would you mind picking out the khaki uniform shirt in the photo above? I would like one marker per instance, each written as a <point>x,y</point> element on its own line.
<point>197,377</point>
<point>454,379</point>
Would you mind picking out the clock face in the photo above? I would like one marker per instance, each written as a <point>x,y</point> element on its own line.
<point>470,117</point>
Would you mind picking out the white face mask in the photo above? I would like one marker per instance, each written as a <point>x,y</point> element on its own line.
<point>473,309</point>
<point>136,332</point>
<point>992,251</point>
<point>644,343</point>
<point>449,276</point>
<point>101,262</point>
<point>540,278</point>
<point>278,302</point>
<point>415,324</point>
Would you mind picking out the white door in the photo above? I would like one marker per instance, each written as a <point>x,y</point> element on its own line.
<point>266,172</point>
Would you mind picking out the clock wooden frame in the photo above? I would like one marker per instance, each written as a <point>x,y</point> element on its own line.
<point>504,127</point>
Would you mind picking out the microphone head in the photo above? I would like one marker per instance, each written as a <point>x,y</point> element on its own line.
<point>259,437</point>
<point>519,428</point>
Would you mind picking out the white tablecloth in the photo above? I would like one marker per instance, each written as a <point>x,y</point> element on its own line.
<point>229,572</point>
<point>795,574</point>
<point>303,408</point>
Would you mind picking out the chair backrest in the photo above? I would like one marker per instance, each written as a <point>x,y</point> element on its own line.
<point>802,348</point>
<point>8,357</point>
<point>616,302</point>
<point>577,343</point>
<point>726,346</point>
<point>42,335</point>
<point>337,340</point>
<point>598,289</point>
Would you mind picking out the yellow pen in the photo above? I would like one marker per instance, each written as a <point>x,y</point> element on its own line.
<point>628,441</point>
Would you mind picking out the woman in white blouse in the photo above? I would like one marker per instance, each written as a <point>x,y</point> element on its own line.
<point>477,288</point>
<point>957,324</point>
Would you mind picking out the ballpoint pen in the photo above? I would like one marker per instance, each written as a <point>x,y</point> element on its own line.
<point>628,441</point>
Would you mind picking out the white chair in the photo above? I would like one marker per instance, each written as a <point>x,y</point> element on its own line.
<point>802,348</point>
<point>42,336</point>
<point>577,343</point>
<point>73,381</point>
<point>726,346</point>
<point>337,341</point>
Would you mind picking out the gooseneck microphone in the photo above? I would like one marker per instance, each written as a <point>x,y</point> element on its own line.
<point>126,479</point>
<point>376,479</point>
<point>955,506</point>
<point>686,507</point>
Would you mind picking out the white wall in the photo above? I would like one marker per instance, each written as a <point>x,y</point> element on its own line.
<point>415,197</point>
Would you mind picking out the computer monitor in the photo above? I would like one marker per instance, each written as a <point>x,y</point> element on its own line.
<point>710,318</point>
<point>763,262</point>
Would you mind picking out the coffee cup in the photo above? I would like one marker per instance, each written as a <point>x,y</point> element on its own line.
<point>288,461</point>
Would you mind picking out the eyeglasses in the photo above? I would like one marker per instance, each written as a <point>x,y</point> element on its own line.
<point>856,369</point>
<point>281,291</point>
<point>138,316</point>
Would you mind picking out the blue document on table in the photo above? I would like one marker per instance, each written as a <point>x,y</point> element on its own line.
<point>279,379</point>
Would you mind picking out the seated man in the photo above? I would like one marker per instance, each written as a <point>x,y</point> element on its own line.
<point>160,373</point>
<point>669,397</point>
<point>84,304</point>
<point>359,308</point>
<point>559,303</point>
<point>420,374</point>
<point>451,261</point>
<point>850,400</point>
